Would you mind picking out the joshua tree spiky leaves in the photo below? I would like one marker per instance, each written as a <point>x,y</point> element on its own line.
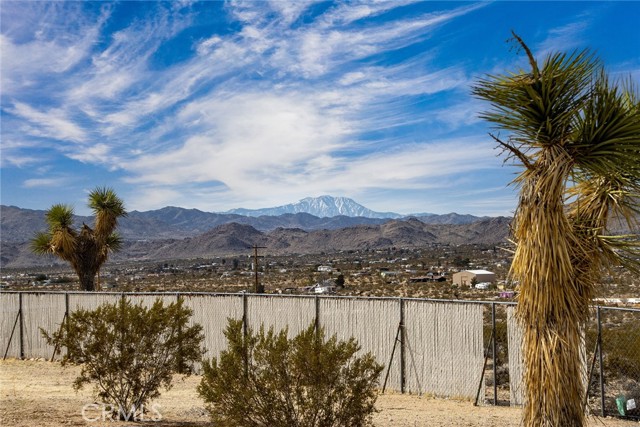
<point>88,248</point>
<point>577,138</point>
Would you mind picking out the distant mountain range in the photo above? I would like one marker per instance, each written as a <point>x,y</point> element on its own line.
<point>326,212</point>
<point>173,233</point>
<point>236,239</point>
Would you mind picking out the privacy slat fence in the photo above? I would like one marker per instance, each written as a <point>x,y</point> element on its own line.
<point>442,348</point>
<point>212,312</point>
<point>444,343</point>
<point>373,322</point>
<point>10,317</point>
<point>39,310</point>
<point>514,335</point>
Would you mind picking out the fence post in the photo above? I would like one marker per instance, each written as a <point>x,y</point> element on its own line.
<point>402,348</point>
<point>244,332</point>
<point>180,329</point>
<point>602,400</point>
<point>64,324</point>
<point>244,315</point>
<point>317,320</point>
<point>493,351</point>
<point>66,311</point>
<point>13,329</point>
<point>21,325</point>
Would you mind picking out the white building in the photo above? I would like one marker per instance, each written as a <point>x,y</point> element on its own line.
<point>324,287</point>
<point>464,278</point>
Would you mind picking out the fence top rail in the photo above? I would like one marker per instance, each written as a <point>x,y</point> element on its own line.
<point>606,307</point>
<point>240,294</point>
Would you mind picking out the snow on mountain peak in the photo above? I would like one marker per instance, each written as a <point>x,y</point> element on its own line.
<point>323,206</point>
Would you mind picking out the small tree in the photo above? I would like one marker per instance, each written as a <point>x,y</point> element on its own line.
<point>129,351</point>
<point>88,248</point>
<point>266,379</point>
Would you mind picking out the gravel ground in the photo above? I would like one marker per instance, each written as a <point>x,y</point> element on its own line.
<point>39,393</point>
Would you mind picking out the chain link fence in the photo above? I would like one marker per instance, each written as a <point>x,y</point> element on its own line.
<point>463,349</point>
<point>613,340</point>
<point>611,360</point>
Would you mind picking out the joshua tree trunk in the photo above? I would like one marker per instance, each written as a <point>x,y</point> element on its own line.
<point>88,261</point>
<point>552,306</point>
<point>87,280</point>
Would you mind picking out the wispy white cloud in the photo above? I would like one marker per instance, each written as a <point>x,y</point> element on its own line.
<point>317,50</point>
<point>417,166</point>
<point>290,11</point>
<point>346,13</point>
<point>32,47</point>
<point>565,38</point>
<point>460,114</point>
<point>45,182</point>
<point>98,153</point>
<point>53,123</point>
<point>18,160</point>
<point>241,135</point>
<point>18,151</point>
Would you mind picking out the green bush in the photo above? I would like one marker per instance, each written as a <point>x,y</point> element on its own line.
<point>129,351</point>
<point>266,379</point>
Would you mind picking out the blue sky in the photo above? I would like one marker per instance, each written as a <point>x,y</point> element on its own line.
<point>220,105</point>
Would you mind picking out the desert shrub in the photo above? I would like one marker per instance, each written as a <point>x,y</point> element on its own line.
<point>267,379</point>
<point>621,347</point>
<point>129,351</point>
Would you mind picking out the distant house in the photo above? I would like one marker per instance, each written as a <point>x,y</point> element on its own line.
<point>325,268</point>
<point>464,278</point>
<point>325,287</point>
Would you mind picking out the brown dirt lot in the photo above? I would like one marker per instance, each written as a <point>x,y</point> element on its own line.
<point>39,393</point>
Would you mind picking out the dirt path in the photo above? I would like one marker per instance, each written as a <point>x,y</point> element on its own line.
<point>39,393</point>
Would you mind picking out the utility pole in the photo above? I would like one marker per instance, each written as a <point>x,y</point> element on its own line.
<point>259,289</point>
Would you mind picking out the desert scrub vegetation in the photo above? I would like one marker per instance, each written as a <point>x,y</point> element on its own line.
<point>129,351</point>
<point>267,379</point>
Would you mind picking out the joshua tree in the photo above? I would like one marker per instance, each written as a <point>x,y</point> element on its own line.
<point>577,138</point>
<point>85,249</point>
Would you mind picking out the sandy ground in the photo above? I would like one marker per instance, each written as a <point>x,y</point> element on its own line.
<point>39,393</point>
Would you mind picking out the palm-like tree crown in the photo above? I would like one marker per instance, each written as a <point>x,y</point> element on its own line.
<point>107,208</point>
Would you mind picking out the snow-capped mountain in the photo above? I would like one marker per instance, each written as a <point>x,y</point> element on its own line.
<point>323,206</point>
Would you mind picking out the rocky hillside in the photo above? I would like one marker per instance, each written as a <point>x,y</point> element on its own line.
<point>237,239</point>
